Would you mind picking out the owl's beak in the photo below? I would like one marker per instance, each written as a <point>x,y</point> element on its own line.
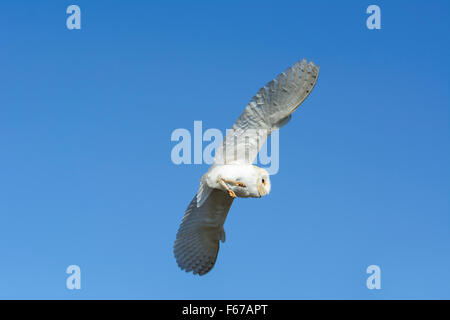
<point>261,190</point>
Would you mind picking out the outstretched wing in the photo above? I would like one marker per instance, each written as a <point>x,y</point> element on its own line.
<point>268,110</point>
<point>197,243</point>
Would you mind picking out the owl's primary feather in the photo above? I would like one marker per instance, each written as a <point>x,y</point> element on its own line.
<point>197,243</point>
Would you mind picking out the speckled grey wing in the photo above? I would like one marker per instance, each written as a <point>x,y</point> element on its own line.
<point>197,243</point>
<point>268,110</point>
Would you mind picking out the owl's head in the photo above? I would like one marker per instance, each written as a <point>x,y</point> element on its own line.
<point>263,182</point>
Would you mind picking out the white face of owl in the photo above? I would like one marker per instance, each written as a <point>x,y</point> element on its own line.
<point>263,182</point>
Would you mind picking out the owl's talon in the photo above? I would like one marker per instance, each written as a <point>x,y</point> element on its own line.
<point>231,193</point>
<point>236,183</point>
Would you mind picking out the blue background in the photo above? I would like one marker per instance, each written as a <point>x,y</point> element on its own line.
<point>86,176</point>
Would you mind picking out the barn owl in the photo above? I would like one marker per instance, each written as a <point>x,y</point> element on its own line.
<point>233,174</point>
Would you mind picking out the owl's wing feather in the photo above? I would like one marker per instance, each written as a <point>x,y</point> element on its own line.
<point>197,243</point>
<point>267,111</point>
<point>203,192</point>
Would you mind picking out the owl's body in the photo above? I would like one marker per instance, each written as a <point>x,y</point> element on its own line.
<point>254,181</point>
<point>232,174</point>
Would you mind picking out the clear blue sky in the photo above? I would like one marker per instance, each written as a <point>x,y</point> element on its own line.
<point>86,176</point>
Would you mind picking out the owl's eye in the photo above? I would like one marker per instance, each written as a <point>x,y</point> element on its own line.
<point>264,182</point>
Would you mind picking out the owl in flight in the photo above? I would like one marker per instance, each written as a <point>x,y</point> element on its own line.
<point>232,174</point>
